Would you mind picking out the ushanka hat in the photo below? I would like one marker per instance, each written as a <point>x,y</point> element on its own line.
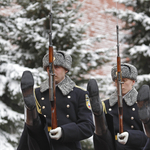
<point>60,59</point>
<point>128,71</point>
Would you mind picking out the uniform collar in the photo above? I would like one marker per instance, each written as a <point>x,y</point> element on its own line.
<point>65,86</point>
<point>130,98</point>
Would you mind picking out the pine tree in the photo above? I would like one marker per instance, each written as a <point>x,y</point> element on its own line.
<point>11,109</point>
<point>29,31</point>
<point>137,21</point>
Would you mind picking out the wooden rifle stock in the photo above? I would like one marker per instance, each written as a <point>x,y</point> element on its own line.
<point>52,96</point>
<point>119,86</point>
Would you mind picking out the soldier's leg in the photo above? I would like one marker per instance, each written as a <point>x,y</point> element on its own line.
<point>102,137</point>
<point>31,115</point>
<point>33,121</point>
<point>143,102</point>
<point>97,108</point>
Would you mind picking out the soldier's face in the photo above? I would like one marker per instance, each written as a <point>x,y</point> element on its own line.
<point>126,86</point>
<point>59,73</point>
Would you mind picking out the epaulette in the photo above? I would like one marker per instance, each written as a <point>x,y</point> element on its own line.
<point>37,103</point>
<point>104,107</point>
<point>80,88</point>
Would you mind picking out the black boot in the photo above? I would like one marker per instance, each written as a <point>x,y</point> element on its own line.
<point>143,102</point>
<point>38,138</point>
<point>97,108</point>
<point>27,83</point>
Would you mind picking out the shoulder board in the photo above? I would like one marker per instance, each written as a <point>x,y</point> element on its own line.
<point>104,107</point>
<point>80,88</point>
<point>38,106</point>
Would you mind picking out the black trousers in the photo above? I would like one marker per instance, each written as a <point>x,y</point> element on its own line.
<point>147,146</point>
<point>35,137</point>
<point>104,142</point>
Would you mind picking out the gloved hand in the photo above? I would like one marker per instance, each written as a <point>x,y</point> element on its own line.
<point>123,137</point>
<point>56,133</point>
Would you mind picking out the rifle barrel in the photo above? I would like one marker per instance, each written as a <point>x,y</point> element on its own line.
<point>119,85</point>
<point>52,96</point>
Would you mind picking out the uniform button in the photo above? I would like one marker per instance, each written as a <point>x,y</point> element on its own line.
<point>69,96</point>
<point>43,107</point>
<point>67,116</point>
<point>42,98</point>
<point>132,126</point>
<point>68,106</point>
<point>132,118</point>
<point>133,109</point>
<point>45,116</point>
<point>110,109</point>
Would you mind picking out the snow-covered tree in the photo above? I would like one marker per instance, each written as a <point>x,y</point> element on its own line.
<point>11,110</point>
<point>29,32</point>
<point>136,18</point>
<point>137,22</point>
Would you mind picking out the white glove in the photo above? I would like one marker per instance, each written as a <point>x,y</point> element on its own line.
<point>56,133</point>
<point>123,137</point>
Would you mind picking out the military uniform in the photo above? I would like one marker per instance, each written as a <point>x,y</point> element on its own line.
<point>73,113</point>
<point>107,136</point>
<point>131,121</point>
<point>143,103</point>
<point>74,116</point>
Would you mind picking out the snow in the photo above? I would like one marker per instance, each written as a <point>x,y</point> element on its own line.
<point>33,7</point>
<point>141,49</point>
<point>15,71</point>
<point>4,145</point>
<point>6,111</point>
<point>145,77</point>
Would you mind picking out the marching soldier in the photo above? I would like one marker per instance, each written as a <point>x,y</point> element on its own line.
<point>143,102</point>
<point>107,132</point>
<point>74,117</point>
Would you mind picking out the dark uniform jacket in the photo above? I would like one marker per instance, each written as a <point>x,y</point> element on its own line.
<point>73,113</point>
<point>131,122</point>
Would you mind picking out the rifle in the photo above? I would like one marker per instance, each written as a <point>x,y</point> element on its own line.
<point>119,85</point>
<point>52,97</point>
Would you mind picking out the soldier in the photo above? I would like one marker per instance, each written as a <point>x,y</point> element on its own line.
<point>143,102</point>
<point>74,117</point>
<point>107,132</point>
